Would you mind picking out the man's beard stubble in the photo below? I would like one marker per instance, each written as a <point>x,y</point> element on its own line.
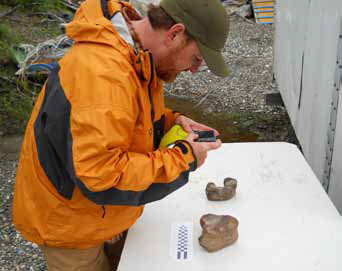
<point>165,71</point>
<point>165,68</point>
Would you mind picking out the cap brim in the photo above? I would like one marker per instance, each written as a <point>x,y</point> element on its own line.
<point>214,60</point>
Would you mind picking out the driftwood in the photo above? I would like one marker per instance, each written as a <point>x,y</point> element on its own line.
<point>69,5</point>
<point>50,17</point>
<point>204,98</point>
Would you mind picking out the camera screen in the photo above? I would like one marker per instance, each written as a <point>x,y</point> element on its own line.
<point>205,136</point>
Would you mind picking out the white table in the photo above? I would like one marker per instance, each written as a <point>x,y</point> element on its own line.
<point>287,221</point>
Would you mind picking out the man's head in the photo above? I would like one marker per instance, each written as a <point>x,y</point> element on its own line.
<point>192,30</point>
<point>177,50</point>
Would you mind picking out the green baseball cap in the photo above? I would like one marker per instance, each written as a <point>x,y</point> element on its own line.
<point>207,22</point>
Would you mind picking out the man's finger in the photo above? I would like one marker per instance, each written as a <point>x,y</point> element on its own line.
<point>216,132</point>
<point>192,136</point>
<point>213,145</point>
<point>187,127</point>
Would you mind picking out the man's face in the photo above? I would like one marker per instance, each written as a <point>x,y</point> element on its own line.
<point>184,57</point>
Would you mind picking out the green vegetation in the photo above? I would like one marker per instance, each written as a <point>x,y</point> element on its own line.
<point>17,95</point>
<point>6,40</point>
<point>41,5</point>
<point>8,87</point>
<point>15,107</point>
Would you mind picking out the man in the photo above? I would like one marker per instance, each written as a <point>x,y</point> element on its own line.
<point>90,158</point>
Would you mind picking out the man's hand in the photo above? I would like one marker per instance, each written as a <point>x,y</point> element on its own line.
<point>201,148</point>
<point>189,125</point>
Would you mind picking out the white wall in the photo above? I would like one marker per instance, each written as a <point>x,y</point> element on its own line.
<point>310,28</point>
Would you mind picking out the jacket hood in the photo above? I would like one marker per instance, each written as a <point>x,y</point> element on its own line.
<point>91,25</point>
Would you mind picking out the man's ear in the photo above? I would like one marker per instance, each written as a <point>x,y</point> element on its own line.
<point>175,35</point>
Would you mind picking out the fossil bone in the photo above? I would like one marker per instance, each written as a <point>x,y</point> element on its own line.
<point>226,192</point>
<point>218,231</point>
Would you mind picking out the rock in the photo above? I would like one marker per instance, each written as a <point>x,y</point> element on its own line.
<point>231,182</point>
<point>218,231</point>
<point>244,11</point>
<point>216,193</point>
<point>203,68</point>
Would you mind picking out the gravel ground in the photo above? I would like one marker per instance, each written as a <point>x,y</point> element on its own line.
<point>249,54</point>
<point>15,252</point>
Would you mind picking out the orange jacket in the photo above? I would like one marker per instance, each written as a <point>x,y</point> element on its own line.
<point>90,157</point>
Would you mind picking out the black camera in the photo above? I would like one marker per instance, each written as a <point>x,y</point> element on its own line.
<point>205,136</point>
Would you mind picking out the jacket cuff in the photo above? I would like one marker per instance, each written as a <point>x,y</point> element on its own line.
<point>187,150</point>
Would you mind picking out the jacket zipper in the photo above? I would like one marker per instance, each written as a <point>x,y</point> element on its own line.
<point>149,86</point>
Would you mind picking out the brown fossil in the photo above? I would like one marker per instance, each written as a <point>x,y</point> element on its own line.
<point>226,192</point>
<point>218,231</point>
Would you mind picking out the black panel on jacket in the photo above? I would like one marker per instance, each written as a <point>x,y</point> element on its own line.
<point>158,131</point>
<point>104,6</point>
<point>154,192</point>
<point>51,130</point>
<point>54,145</point>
